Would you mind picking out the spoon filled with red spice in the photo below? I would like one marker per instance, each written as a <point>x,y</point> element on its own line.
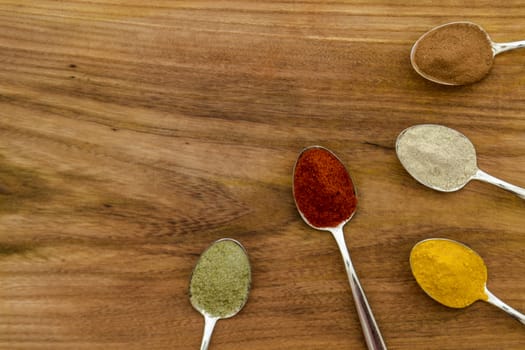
<point>457,53</point>
<point>325,197</point>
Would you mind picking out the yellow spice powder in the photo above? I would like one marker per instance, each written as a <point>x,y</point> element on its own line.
<point>449,272</point>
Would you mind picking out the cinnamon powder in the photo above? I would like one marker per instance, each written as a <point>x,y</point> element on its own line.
<point>457,53</point>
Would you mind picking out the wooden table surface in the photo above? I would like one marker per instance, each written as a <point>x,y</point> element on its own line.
<point>135,133</point>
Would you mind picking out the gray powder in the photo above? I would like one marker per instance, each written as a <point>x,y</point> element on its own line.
<point>437,156</point>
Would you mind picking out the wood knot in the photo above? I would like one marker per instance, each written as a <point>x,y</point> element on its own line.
<point>5,190</point>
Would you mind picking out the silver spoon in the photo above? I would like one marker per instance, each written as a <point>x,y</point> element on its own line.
<point>443,159</point>
<point>371,331</point>
<point>421,262</point>
<point>220,283</point>
<point>491,48</point>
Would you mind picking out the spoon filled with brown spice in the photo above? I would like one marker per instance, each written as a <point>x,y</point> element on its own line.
<point>326,199</point>
<point>220,284</point>
<point>457,53</point>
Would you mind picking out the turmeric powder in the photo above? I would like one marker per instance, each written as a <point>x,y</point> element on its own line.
<point>449,272</point>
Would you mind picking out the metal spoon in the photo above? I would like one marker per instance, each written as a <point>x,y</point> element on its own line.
<point>371,331</point>
<point>496,48</point>
<point>431,154</point>
<point>420,262</point>
<point>234,270</point>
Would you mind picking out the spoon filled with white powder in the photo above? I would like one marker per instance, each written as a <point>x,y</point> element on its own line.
<point>443,159</point>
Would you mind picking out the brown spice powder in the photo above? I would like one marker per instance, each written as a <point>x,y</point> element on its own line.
<point>457,54</point>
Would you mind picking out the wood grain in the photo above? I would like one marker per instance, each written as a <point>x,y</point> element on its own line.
<point>133,134</point>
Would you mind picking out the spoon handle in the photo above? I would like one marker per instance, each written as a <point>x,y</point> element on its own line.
<point>209,324</point>
<point>373,337</point>
<point>494,300</point>
<point>498,48</point>
<point>483,176</point>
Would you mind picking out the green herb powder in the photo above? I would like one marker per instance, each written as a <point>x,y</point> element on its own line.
<point>221,280</point>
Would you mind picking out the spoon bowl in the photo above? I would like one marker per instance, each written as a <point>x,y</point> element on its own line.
<point>461,63</point>
<point>325,196</point>
<point>220,283</point>
<point>453,274</point>
<point>443,159</point>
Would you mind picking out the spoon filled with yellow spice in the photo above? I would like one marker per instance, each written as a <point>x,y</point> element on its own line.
<point>453,275</point>
<point>220,284</point>
<point>457,53</point>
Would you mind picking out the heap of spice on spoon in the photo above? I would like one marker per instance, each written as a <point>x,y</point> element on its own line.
<point>220,284</point>
<point>457,53</point>
<point>453,275</point>
<point>443,159</point>
<point>326,199</point>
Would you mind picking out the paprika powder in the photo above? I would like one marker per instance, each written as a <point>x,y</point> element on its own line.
<point>322,188</point>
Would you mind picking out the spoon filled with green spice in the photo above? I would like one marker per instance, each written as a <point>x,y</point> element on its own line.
<point>326,199</point>
<point>220,283</point>
<point>443,159</point>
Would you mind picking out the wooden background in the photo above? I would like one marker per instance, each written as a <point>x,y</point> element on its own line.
<point>135,133</point>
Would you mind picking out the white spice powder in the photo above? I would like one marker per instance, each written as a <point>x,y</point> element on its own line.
<point>437,156</point>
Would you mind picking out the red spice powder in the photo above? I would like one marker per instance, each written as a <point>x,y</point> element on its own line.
<point>323,189</point>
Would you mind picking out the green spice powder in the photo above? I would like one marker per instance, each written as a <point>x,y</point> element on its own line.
<point>221,280</point>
